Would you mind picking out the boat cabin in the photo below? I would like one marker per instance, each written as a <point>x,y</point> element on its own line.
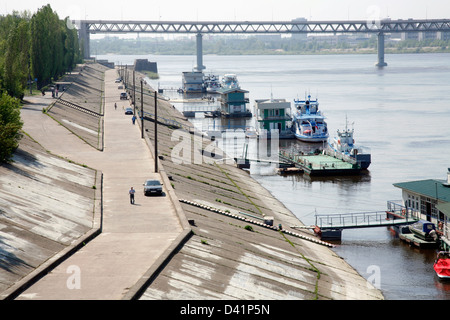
<point>429,200</point>
<point>193,82</point>
<point>274,114</point>
<point>307,106</point>
<point>233,102</point>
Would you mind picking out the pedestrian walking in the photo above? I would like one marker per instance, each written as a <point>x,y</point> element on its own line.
<point>132,192</point>
<point>133,119</point>
<point>115,106</point>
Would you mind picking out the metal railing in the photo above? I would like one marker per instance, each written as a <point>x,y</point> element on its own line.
<point>399,209</point>
<point>351,220</point>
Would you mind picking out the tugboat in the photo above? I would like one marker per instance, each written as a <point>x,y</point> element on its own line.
<point>344,144</point>
<point>309,122</point>
<point>442,265</point>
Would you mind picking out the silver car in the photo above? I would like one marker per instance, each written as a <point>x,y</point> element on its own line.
<point>152,187</point>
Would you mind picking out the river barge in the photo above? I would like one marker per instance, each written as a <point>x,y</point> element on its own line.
<point>321,164</point>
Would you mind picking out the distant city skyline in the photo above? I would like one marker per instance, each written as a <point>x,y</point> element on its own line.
<point>238,10</point>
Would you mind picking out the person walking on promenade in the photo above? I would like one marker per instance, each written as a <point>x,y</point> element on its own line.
<point>115,106</point>
<point>132,192</point>
<point>133,119</point>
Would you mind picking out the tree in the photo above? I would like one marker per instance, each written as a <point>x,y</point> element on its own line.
<point>16,59</point>
<point>10,126</point>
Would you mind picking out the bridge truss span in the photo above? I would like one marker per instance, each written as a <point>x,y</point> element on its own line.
<point>264,27</point>
<point>379,27</point>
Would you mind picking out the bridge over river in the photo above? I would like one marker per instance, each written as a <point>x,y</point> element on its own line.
<point>375,26</point>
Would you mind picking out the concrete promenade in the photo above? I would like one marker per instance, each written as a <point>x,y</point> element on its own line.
<point>135,238</point>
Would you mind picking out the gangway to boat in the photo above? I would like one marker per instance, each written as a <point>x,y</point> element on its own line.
<point>359,220</point>
<point>331,225</point>
<point>190,111</point>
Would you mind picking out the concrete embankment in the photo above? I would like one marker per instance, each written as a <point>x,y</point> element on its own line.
<point>232,255</point>
<point>50,206</point>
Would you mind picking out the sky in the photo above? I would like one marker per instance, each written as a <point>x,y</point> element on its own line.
<point>236,10</point>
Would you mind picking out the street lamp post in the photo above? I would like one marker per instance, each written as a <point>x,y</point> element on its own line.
<point>156,131</point>
<point>142,111</point>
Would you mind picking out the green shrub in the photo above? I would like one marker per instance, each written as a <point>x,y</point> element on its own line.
<point>10,126</point>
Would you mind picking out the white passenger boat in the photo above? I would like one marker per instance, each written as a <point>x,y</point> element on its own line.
<point>211,83</point>
<point>308,122</point>
<point>230,81</point>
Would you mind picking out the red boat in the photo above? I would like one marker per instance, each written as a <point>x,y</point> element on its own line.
<point>442,265</point>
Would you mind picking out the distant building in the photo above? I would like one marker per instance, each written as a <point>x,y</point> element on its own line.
<point>145,65</point>
<point>444,35</point>
<point>300,36</point>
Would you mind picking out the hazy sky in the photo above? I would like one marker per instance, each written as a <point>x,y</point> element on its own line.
<point>229,10</point>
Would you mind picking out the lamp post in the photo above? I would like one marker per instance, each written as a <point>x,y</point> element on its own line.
<point>142,111</point>
<point>156,131</point>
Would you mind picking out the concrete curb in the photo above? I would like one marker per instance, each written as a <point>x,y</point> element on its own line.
<point>259,223</point>
<point>139,288</point>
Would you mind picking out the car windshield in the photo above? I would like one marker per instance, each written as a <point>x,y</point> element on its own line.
<point>152,183</point>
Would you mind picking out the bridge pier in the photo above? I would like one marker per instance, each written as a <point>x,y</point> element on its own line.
<point>200,67</point>
<point>380,46</point>
<point>84,39</point>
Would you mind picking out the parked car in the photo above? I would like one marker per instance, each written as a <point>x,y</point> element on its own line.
<point>128,111</point>
<point>118,80</point>
<point>152,187</point>
<point>123,96</point>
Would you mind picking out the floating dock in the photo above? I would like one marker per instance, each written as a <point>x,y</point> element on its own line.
<point>321,164</point>
<point>411,239</point>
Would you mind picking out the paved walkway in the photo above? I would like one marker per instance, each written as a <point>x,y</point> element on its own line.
<point>134,237</point>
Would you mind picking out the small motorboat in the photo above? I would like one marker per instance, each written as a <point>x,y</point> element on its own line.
<point>424,230</point>
<point>442,265</point>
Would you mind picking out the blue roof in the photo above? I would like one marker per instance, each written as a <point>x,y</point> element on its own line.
<point>431,188</point>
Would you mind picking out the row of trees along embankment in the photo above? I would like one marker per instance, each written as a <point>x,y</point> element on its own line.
<point>37,47</point>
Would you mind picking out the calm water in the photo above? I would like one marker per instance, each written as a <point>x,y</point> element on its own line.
<point>401,112</point>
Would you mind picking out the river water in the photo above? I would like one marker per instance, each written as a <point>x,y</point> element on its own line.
<point>400,112</point>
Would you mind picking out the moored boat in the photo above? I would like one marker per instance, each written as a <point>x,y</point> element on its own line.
<point>344,144</point>
<point>211,83</point>
<point>308,122</point>
<point>230,81</point>
<point>424,230</point>
<point>442,265</point>
<point>274,114</point>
